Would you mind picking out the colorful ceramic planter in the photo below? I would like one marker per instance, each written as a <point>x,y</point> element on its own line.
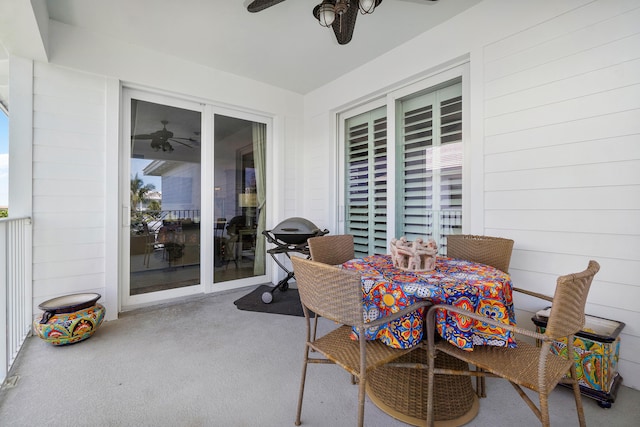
<point>597,348</point>
<point>69,319</point>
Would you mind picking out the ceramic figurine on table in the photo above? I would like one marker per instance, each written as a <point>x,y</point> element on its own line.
<point>414,256</point>
<point>429,255</point>
<point>400,252</point>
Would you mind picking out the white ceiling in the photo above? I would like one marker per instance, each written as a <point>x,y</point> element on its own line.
<point>283,45</point>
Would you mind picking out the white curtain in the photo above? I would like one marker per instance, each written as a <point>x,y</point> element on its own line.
<point>259,154</point>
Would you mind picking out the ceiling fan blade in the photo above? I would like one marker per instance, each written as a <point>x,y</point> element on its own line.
<point>143,136</point>
<point>180,142</point>
<point>343,26</point>
<point>185,139</point>
<point>258,5</point>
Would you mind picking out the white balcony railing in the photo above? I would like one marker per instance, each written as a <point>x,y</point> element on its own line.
<point>15,289</point>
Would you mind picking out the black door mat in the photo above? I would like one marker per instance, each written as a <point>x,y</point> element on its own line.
<point>284,302</point>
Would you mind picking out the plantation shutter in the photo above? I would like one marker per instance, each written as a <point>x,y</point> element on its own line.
<point>366,181</point>
<point>429,169</point>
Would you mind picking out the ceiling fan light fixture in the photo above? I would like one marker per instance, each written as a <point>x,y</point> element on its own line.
<point>339,14</point>
<point>325,13</point>
<point>366,6</point>
<point>341,7</point>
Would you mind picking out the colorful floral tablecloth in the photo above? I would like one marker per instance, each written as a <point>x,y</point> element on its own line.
<point>475,287</point>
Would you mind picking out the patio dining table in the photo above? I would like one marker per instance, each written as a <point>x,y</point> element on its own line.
<point>476,287</point>
<point>401,391</point>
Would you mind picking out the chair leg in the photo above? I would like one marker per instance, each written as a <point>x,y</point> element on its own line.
<point>302,381</point>
<point>530,402</point>
<point>361,393</point>
<point>305,363</point>
<point>480,384</point>
<point>577,396</point>
<point>430,379</point>
<point>544,410</point>
<point>315,327</point>
<point>362,378</point>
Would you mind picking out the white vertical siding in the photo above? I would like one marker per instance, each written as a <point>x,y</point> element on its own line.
<point>68,182</point>
<point>293,175</point>
<point>562,158</point>
<point>318,177</point>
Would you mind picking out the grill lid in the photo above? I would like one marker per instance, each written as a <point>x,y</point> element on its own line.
<point>295,230</point>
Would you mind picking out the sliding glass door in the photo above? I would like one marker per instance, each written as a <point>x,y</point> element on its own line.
<point>239,198</point>
<point>165,197</point>
<point>193,192</point>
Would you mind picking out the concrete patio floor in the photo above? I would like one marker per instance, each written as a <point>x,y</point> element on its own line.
<point>203,362</point>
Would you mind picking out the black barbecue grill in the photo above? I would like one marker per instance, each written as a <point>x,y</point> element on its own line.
<point>289,236</point>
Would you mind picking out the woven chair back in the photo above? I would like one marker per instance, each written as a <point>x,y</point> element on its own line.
<point>567,311</point>
<point>493,251</point>
<point>332,250</point>
<point>328,291</point>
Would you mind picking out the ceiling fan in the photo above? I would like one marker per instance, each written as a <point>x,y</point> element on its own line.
<point>161,139</point>
<point>338,14</point>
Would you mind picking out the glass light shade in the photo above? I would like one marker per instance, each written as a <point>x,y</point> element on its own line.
<point>367,6</point>
<point>247,200</point>
<point>326,14</point>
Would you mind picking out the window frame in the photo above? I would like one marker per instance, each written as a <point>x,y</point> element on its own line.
<point>434,80</point>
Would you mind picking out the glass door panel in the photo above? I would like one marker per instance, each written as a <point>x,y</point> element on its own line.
<point>165,197</point>
<point>239,195</point>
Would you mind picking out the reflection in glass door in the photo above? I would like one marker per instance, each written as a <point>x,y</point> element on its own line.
<point>239,198</point>
<point>165,197</point>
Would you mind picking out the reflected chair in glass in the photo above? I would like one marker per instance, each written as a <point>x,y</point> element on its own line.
<point>336,294</point>
<point>219,242</point>
<point>231,250</point>
<point>489,250</point>
<point>233,245</point>
<point>150,244</point>
<point>531,366</point>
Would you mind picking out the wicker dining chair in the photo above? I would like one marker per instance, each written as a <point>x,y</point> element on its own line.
<point>527,365</point>
<point>493,251</point>
<point>332,249</point>
<point>489,250</point>
<point>336,294</point>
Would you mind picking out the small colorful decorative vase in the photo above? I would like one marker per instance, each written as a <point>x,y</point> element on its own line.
<point>69,319</point>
